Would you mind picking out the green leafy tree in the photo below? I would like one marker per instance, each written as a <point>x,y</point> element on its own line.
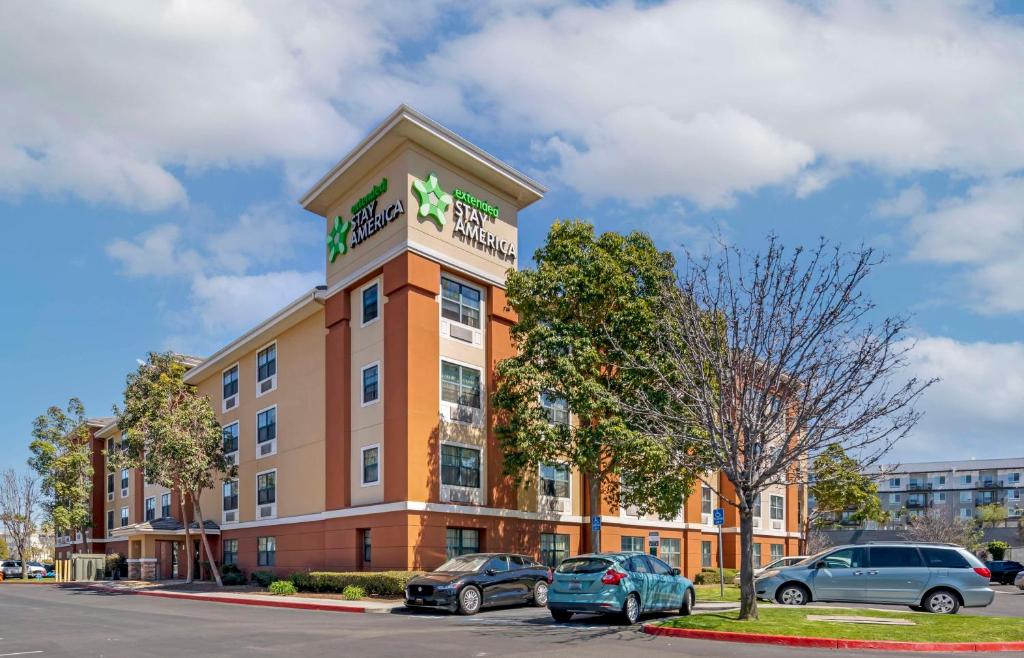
<point>61,456</point>
<point>992,514</point>
<point>838,486</point>
<point>590,301</point>
<point>172,433</point>
<point>5,550</point>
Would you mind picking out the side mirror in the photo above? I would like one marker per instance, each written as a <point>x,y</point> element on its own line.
<point>820,565</point>
<point>676,572</point>
<point>490,572</point>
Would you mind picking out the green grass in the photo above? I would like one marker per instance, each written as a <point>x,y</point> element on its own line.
<point>710,593</point>
<point>927,628</point>
<point>30,581</point>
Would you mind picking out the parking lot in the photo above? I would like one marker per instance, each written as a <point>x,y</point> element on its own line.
<point>50,621</point>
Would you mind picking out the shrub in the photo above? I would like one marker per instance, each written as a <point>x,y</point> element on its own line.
<point>282,588</point>
<point>374,583</point>
<point>353,592</point>
<point>710,576</point>
<point>263,578</point>
<point>230,574</point>
<point>997,549</point>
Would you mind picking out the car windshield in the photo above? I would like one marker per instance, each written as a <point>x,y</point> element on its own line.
<point>462,563</point>
<point>583,565</point>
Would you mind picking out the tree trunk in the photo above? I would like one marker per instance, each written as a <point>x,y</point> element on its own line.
<point>748,596</point>
<point>206,545</point>
<point>593,504</point>
<point>188,538</point>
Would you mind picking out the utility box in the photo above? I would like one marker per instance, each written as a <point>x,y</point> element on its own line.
<point>87,566</point>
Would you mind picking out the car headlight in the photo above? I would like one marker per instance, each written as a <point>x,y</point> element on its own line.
<point>444,588</point>
<point>768,574</point>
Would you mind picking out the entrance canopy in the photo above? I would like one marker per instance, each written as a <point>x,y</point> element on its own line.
<point>155,547</point>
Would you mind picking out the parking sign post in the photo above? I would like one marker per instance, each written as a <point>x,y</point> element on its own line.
<point>718,516</point>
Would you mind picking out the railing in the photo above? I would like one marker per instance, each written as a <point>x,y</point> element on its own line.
<point>989,484</point>
<point>917,504</point>
<point>920,486</point>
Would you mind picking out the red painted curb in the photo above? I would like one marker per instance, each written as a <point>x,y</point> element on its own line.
<point>269,603</point>
<point>830,643</point>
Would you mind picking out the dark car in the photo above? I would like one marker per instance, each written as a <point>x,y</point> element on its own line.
<point>467,583</point>
<point>1004,571</point>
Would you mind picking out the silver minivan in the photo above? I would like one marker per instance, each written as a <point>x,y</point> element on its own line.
<point>927,577</point>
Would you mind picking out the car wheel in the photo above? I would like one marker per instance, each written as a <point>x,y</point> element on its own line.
<point>540,594</point>
<point>631,609</point>
<point>942,602</point>
<point>688,599</point>
<point>561,615</point>
<point>792,595</point>
<point>469,601</point>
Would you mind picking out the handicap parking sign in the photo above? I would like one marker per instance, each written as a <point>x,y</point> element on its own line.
<point>718,516</point>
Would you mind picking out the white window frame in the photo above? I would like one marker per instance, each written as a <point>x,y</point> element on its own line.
<point>771,515</point>
<point>273,441</point>
<point>475,495</point>
<point>446,407</point>
<point>237,396</point>
<point>233,455</point>
<point>478,333</point>
<point>895,482</point>
<point>272,378</point>
<point>380,297</point>
<point>125,517</point>
<point>256,482</point>
<point>545,501</point>
<point>169,503</point>
<point>548,409</point>
<point>224,512</point>
<point>126,490</point>
<point>362,385</point>
<point>380,466</point>
<point>149,498</point>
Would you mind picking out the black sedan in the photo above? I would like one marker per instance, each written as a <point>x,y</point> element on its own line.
<point>467,583</point>
<point>1004,571</point>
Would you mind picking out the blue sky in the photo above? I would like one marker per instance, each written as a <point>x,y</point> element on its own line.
<point>150,163</point>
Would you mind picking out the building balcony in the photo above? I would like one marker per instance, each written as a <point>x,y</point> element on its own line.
<point>920,486</point>
<point>989,484</point>
<point>985,501</point>
<point>917,504</point>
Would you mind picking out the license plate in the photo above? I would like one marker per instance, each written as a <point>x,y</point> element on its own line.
<point>575,587</point>
<point>417,601</point>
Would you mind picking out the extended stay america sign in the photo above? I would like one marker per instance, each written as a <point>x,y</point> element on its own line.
<point>471,215</point>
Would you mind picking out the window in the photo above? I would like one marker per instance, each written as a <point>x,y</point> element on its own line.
<point>165,505</point>
<point>942,496</point>
<point>460,466</point>
<point>266,551</point>
<point>776,551</point>
<point>498,563</point>
<point>965,479</point>
<point>944,558</point>
<point>846,558</point>
<point>371,465</point>
<point>124,516</point>
<point>150,508</point>
<point>942,479</point>
<point>371,381</point>
<point>110,521</point>
<point>757,555</point>
<point>367,545</point>
<point>895,556</point>
<point>266,488</point>
<point>632,544</point>
<point>230,501</point>
<point>965,496</point>
<point>1013,477</point>
<point>777,508</point>
<point>460,303</point>
<point>110,483</point>
<point>110,447</point>
<point>230,551</point>
<point>757,511</point>
<point>671,552</point>
<point>460,385</point>
<point>705,554</point>
<point>554,480</point>
<point>266,363</point>
<point>266,425</point>
<point>965,513</point>
<point>638,564</point>
<point>894,482</point>
<point>124,478</point>
<point>230,378</point>
<point>555,408</point>
<point>553,548</point>
<point>705,500</point>
<point>461,541</point>
<point>894,498</point>
<point>230,433</point>
<point>371,307</point>
<point>658,567</point>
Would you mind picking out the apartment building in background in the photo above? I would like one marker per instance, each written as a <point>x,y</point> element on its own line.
<point>359,414</point>
<point>951,488</point>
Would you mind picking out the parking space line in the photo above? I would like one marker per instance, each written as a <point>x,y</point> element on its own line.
<point>20,653</point>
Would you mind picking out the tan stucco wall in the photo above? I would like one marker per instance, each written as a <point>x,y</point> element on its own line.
<point>367,421</point>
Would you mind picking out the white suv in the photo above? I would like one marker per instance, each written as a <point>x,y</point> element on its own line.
<point>12,569</point>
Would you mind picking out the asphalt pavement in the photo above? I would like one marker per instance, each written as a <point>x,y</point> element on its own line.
<point>50,621</point>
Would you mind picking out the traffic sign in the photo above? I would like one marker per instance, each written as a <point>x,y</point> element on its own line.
<point>595,523</point>
<point>718,516</point>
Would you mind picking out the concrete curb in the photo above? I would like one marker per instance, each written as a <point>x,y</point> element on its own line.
<point>832,643</point>
<point>270,602</point>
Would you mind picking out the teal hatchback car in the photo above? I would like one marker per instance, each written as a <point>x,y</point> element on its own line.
<point>625,584</point>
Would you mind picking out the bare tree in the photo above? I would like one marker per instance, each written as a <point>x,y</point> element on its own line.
<point>773,358</point>
<point>934,526</point>
<point>19,498</point>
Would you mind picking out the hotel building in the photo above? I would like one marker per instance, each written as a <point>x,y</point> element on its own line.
<point>359,414</point>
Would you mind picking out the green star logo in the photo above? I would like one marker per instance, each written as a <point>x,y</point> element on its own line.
<point>433,201</point>
<point>337,239</point>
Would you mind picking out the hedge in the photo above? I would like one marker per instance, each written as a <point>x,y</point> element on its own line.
<point>281,588</point>
<point>379,583</point>
<point>710,576</point>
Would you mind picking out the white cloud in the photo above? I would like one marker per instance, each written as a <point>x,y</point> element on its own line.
<point>982,230</point>
<point>231,304</point>
<point>155,253</point>
<point>975,410</point>
<point>910,201</point>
